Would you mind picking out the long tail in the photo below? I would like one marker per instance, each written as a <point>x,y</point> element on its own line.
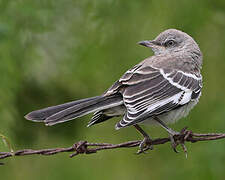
<point>72,110</point>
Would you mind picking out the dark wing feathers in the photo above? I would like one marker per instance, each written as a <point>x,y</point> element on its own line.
<point>119,84</point>
<point>98,117</point>
<point>151,91</point>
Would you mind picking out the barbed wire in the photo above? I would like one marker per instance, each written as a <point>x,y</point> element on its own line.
<point>84,147</point>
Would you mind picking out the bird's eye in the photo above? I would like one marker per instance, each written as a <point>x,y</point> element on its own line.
<point>170,43</point>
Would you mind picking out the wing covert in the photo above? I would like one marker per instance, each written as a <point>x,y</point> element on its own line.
<point>151,91</point>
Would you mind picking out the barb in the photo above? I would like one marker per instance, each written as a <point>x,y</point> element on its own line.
<point>84,147</point>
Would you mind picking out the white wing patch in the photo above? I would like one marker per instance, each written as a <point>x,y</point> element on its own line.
<point>186,97</point>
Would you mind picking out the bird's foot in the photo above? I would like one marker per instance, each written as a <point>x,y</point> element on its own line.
<point>145,145</point>
<point>177,138</point>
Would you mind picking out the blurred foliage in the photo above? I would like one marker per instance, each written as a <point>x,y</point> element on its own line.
<point>54,51</point>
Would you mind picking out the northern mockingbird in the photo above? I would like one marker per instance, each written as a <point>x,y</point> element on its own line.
<point>159,90</point>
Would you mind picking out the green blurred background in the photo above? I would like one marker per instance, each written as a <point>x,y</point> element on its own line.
<point>54,51</point>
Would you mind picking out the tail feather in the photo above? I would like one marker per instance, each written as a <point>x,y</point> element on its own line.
<point>84,108</point>
<point>68,111</point>
<point>98,117</point>
<point>42,114</point>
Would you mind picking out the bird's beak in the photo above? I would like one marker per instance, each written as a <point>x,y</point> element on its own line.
<point>147,43</point>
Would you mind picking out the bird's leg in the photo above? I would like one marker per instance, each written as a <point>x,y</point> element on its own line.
<point>146,142</point>
<point>172,133</point>
<point>168,129</point>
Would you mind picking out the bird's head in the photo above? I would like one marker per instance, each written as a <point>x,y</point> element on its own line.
<point>172,41</point>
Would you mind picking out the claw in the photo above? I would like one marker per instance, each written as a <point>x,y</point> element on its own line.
<point>173,143</point>
<point>182,136</point>
<point>184,149</point>
<point>145,145</point>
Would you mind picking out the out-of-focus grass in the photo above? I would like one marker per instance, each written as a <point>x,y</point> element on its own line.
<point>57,51</point>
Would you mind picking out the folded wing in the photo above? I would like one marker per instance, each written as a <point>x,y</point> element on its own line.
<point>150,91</point>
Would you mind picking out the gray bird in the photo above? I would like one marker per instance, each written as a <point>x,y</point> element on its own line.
<point>159,90</point>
